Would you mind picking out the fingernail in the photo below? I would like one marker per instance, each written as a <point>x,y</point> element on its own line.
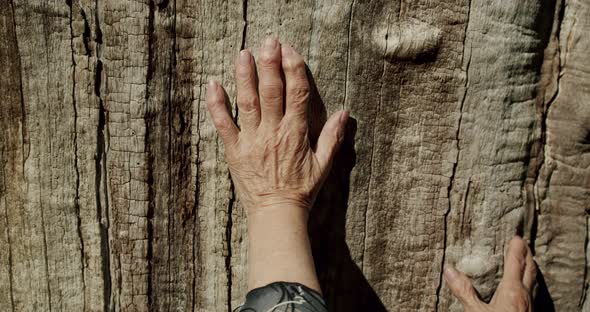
<point>451,274</point>
<point>286,50</point>
<point>344,117</point>
<point>212,85</point>
<point>270,43</point>
<point>244,57</point>
<point>342,128</point>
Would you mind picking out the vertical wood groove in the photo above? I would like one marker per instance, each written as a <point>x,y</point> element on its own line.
<point>456,162</point>
<point>374,140</point>
<point>198,256</point>
<point>23,119</point>
<point>12,36</point>
<point>101,174</point>
<point>583,296</point>
<point>348,54</point>
<point>149,127</point>
<point>171,204</point>
<point>10,266</point>
<point>75,151</point>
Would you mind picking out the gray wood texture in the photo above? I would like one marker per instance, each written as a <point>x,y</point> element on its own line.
<point>471,124</point>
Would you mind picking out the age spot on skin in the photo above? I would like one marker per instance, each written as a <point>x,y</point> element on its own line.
<point>409,40</point>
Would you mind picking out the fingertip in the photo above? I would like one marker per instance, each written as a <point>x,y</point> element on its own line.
<point>293,63</point>
<point>271,42</point>
<point>270,52</point>
<point>517,240</point>
<point>450,274</point>
<point>343,120</point>
<point>211,86</point>
<point>244,67</point>
<point>244,57</point>
<point>344,115</point>
<point>212,93</point>
<point>517,248</point>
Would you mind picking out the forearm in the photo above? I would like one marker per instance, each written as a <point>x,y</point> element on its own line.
<point>279,248</point>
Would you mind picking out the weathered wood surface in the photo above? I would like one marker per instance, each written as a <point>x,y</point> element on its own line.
<point>471,123</point>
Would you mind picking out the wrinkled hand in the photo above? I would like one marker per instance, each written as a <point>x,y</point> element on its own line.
<point>513,293</point>
<point>270,157</point>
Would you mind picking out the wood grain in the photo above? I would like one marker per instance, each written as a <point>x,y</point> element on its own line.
<point>471,123</point>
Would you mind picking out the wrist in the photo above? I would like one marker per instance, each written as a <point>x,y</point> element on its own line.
<point>284,214</point>
<point>276,205</point>
<point>279,247</point>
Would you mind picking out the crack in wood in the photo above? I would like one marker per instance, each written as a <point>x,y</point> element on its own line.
<point>465,199</point>
<point>228,236</point>
<point>245,17</point>
<point>370,184</point>
<point>86,34</point>
<point>229,222</point>
<point>75,142</point>
<point>148,117</point>
<point>10,266</point>
<point>45,257</point>
<point>541,158</point>
<point>39,178</point>
<point>454,170</point>
<point>24,132</point>
<point>348,55</point>
<point>24,155</point>
<point>100,167</point>
<point>100,183</point>
<point>171,69</point>
<point>585,279</point>
<point>311,27</point>
<point>197,251</point>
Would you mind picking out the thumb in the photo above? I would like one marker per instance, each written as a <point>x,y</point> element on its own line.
<point>461,287</point>
<point>330,139</point>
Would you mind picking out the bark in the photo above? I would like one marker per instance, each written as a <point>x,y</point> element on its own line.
<point>471,124</point>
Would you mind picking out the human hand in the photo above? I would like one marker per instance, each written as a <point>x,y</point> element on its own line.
<point>513,293</point>
<point>270,158</point>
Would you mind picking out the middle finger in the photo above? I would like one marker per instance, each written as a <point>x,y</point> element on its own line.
<point>270,87</point>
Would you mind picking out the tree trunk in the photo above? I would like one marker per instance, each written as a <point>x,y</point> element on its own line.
<point>471,124</point>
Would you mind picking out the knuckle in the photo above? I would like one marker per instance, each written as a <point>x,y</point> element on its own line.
<point>213,100</point>
<point>268,59</point>
<point>223,125</point>
<point>294,64</point>
<point>296,127</point>
<point>299,92</point>
<point>466,287</point>
<point>247,103</point>
<point>243,74</point>
<point>271,91</point>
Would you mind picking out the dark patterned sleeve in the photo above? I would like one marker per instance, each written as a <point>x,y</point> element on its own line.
<point>283,296</point>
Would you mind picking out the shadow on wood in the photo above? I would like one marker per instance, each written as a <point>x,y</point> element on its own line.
<point>542,301</point>
<point>344,286</point>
